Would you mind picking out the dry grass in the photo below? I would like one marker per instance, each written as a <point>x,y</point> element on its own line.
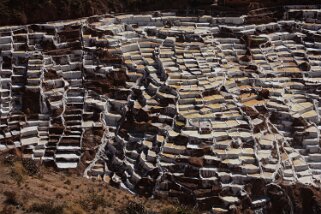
<point>50,191</point>
<point>18,172</point>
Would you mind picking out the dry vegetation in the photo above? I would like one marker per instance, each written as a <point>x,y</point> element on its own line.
<point>26,187</point>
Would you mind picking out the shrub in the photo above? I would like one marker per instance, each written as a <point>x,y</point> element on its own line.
<point>178,210</point>
<point>73,209</point>
<point>11,198</point>
<point>133,208</point>
<point>67,182</point>
<point>46,208</point>
<point>8,210</point>
<point>169,211</point>
<point>9,159</point>
<point>17,172</point>
<point>94,200</point>
<point>59,195</point>
<point>30,166</point>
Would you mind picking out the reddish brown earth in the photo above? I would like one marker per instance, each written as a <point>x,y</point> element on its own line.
<point>284,198</point>
<point>49,191</point>
<point>35,11</point>
<point>46,190</point>
<point>14,12</point>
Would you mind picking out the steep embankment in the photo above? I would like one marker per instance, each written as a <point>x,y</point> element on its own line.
<point>27,188</point>
<point>36,11</point>
<point>19,12</point>
<point>31,11</point>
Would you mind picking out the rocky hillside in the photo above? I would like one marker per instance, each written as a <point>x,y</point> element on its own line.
<point>27,11</point>
<point>27,188</point>
<point>33,11</point>
<point>36,11</point>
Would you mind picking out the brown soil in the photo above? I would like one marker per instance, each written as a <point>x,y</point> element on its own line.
<point>283,197</point>
<point>51,191</point>
<point>26,189</point>
<point>109,85</point>
<point>51,74</point>
<point>91,141</point>
<point>33,11</point>
<point>14,12</point>
<point>31,101</point>
<point>305,199</point>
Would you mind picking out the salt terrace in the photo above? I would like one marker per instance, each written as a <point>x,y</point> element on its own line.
<point>180,107</point>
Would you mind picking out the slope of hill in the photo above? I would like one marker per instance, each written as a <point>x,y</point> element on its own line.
<point>35,11</point>
<point>32,11</point>
<point>27,188</point>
